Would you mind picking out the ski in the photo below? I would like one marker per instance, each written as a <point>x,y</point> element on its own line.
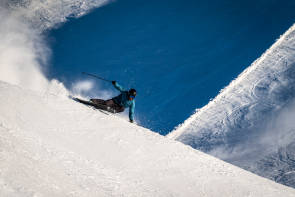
<point>102,108</point>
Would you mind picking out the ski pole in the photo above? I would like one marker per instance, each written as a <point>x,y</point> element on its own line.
<point>95,76</point>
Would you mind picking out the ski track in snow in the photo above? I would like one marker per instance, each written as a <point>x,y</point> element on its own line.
<point>252,117</point>
<point>53,146</point>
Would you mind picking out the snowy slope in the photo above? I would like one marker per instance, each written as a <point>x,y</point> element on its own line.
<point>46,14</point>
<point>53,146</point>
<point>252,120</point>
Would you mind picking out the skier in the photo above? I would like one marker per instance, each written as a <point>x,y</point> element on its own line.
<point>118,103</point>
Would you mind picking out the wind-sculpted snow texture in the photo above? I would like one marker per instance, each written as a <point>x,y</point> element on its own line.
<point>251,121</point>
<point>43,15</point>
<point>53,146</point>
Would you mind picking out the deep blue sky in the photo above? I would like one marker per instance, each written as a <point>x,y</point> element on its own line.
<point>178,54</point>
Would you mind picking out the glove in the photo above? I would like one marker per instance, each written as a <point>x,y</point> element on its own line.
<point>113,82</point>
<point>131,121</point>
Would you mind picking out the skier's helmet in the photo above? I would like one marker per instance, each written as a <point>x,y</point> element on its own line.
<point>132,93</point>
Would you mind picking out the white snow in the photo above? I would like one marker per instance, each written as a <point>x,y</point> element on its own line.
<point>53,146</point>
<point>267,85</point>
<point>252,119</point>
<point>24,53</point>
<point>47,14</point>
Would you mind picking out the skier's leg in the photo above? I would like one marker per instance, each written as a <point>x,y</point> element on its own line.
<point>114,107</point>
<point>96,105</point>
<point>83,101</point>
<point>109,102</point>
<point>98,101</point>
<point>118,108</point>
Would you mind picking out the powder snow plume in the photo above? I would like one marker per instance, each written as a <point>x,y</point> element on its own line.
<point>23,52</point>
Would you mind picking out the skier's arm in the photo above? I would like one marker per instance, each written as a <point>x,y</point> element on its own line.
<point>118,86</point>
<point>131,112</point>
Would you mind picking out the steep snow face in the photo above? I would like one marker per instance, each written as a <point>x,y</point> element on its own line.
<point>46,14</point>
<point>53,146</point>
<point>23,52</point>
<point>252,120</point>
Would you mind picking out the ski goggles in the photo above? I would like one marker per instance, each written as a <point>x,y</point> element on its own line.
<point>131,96</point>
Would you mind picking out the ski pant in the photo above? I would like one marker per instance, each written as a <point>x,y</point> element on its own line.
<point>116,108</point>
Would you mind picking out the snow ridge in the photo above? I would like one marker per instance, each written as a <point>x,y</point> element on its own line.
<point>43,15</point>
<point>244,123</point>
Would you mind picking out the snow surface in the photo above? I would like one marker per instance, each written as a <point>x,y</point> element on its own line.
<point>46,14</point>
<point>54,146</point>
<point>251,122</point>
